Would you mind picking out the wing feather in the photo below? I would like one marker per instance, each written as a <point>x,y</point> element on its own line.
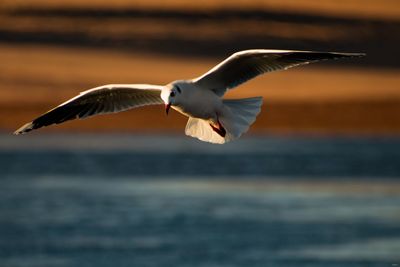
<point>100,100</point>
<point>245,65</point>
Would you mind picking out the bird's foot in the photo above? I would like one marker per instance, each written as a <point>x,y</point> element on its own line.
<point>218,128</point>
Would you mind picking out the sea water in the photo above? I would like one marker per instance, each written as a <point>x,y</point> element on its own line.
<point>122,200</point>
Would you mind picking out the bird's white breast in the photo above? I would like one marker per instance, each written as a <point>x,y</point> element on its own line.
<point>199,103</point>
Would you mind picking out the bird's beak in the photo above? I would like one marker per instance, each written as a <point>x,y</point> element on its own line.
<point>167,107</point>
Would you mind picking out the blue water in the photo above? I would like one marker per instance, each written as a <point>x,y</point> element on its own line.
<point>119,200</point>
<point>180,156</point>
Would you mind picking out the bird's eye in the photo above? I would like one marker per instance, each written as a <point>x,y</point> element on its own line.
<point>172,94</point>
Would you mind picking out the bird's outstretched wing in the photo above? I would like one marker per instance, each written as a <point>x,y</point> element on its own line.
<point>100,100</point>
<point>245,65</point>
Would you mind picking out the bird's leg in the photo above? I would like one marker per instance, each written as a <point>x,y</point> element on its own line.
<point>218,128</point>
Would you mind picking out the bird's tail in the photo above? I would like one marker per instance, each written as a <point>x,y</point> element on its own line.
<point>236,118</point>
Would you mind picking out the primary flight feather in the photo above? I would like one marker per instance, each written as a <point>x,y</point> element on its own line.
<point>211,118</point>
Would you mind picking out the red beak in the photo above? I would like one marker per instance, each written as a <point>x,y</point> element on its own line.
<point>167,107</point>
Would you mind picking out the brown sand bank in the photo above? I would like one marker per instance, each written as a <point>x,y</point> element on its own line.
<point>364,8</point>
<point>312,99</point>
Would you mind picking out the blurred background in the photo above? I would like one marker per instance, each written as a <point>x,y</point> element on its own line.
<point>315,182</point>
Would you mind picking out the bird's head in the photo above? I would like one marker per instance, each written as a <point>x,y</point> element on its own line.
<point>171,95</point>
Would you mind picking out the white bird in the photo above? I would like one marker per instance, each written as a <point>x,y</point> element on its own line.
<point>211,118</point>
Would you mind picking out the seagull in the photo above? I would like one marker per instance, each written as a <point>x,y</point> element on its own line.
<point>211,118</point>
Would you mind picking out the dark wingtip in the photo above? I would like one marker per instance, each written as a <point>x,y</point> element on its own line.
<point>337,55</point>
<point>305,57</point>
<point>353,54</point>
<point>25,128</point>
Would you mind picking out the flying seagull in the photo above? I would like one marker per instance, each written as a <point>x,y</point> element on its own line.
<point>211,118</point>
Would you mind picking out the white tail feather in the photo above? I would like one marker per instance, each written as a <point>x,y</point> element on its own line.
<point>202,130</point>
<point>236,119</point>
